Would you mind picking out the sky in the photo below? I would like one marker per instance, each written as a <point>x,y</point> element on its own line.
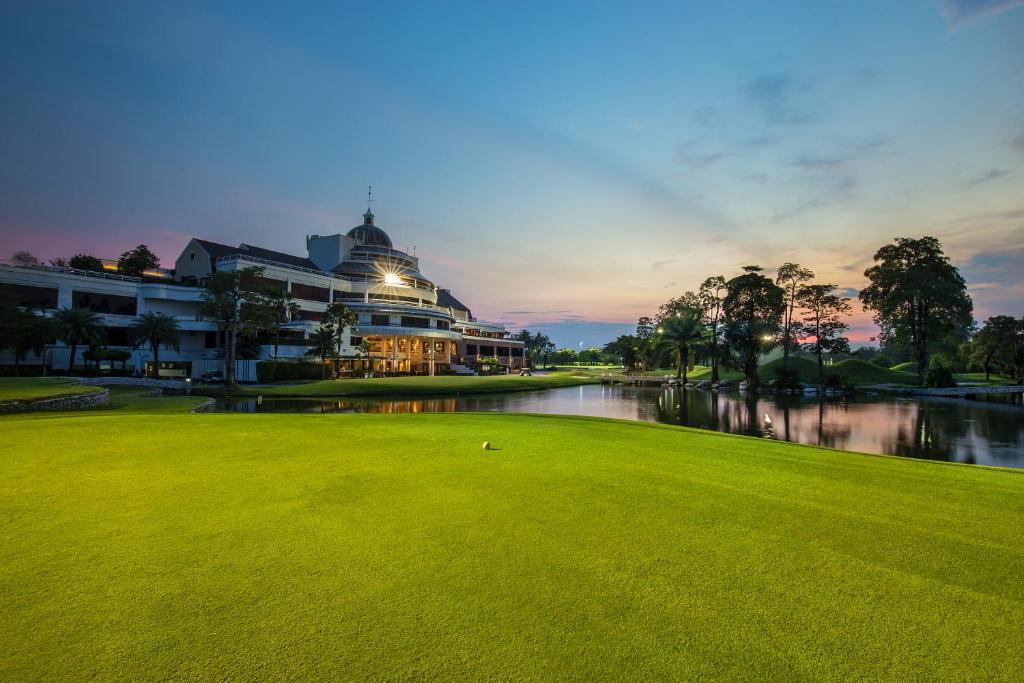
<point>560,166</point>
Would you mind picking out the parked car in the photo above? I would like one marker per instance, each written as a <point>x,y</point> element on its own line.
<point>216,377</point>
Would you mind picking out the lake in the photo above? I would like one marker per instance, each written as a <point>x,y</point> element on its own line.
<point>958,430</point>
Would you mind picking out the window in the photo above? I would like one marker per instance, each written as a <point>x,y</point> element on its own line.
<point>310,293</point>
<point>517,352</point>
<point>192,256</point>
<point>486,350</point>
<point>380,320</point>
<point>470,349</point>
<point>104,303</point>
<point>442,324</point>
<point>347,296</point>
<point>502,350</point>
<point>315,316</point>
<point>117,336</point>
<point>210,340</point>
<point>27,296</point>
<point>410,321</point>
<point>356,341</point>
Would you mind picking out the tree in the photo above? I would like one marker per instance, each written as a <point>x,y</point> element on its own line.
<point>537,345</point>
<point>917,296</point>
<point>680,306</point>
<point>752,309</point>
<point>791,277</point>
<point>85,262</point>
<point>234,301</point>
<point>339,316</point>
<point>627,349</point>
<point>155,329</point>
<point>1012,361</point>
<point>825,312</point>
<point>27,332</point>
<point>137,261</point>
<point>285,310</point>
<point>993,345</point>
<point>59,262</point>
<point>322,344</point>
<point>24,258</point>
<point>644,335</point>
<point>712,295</point>
<point>680,335</point>
<point>78,326</point>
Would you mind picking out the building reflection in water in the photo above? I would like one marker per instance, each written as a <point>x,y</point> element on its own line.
<point>982,432</point>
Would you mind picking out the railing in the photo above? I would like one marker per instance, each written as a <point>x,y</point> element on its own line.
<point>303,269</point>
<point>75,271</point>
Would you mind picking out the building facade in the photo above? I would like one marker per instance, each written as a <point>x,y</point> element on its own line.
<point>409,326</point>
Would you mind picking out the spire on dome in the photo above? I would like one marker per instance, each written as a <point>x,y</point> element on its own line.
<point>368,216</point>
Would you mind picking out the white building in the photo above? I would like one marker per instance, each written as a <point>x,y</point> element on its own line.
<point>410,326</point>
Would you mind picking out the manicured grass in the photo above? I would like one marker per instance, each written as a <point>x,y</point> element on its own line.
<point>148,546</point>
<point>423,386</point>
<point>909,366</point>
<point>857,371</point>
<point>36,388</point>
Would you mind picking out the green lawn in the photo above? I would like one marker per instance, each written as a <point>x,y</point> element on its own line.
<point>422,386</point>
<point>35,388</point>
<point>151,546</point>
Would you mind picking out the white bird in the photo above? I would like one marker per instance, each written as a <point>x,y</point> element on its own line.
<point>767,420</point>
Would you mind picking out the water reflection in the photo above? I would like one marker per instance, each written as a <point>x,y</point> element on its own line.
<point>990,433</point>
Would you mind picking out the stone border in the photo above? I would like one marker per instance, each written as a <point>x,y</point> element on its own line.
<point>133,382</point>
<point>209,405</point>
<point>70,402</point>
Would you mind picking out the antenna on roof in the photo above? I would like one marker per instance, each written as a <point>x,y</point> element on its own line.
<point>369,196</point>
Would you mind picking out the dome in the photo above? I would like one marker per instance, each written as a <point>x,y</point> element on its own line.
<point>368,233</point>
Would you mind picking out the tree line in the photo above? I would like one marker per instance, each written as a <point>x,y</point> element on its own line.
<point>917,297</point>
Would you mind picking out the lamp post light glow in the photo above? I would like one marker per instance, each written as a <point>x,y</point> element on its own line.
<point>767,338</point>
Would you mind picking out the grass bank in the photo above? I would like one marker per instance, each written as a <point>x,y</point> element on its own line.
<point>419,386</point>
<point>40,388</point>
<point>152,546</point>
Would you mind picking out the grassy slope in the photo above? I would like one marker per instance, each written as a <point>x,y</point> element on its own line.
<point>857,371</point>
<point>394,546</point>
<point>35,388</point>
<point>423,386</point>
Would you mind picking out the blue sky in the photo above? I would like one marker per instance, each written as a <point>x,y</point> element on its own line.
<point>562,165</point>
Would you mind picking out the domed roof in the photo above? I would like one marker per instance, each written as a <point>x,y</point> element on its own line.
<point>368,233</point>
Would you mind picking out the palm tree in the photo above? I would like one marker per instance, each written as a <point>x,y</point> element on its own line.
<point>155,329</point>
<point>285,308</point>
<point>28,333</point>
<point>322,345</point>
<point>680,335</point>
<point>78,326</point>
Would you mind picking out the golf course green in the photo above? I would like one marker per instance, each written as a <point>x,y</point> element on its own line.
<point>149,543</point>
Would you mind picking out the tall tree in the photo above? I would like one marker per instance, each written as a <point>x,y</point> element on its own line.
<point>156,330</point>
<point>339,317</point>
<point>285,310</point>
<point>137,261</point>
<point>85,262</point>
<point>712,295</point>
<point>680,336</point>
<point>627,348</point>
<point>825,314</point>
<point>644,335</point>
<point>322,345</point>
<point>234,300</point>
<point>78,326</point>
<point>791,277</point>
<point>752,310</point>
<point>537,345</point>
<point>994,343</point>
<point>682,305</point>
<point>918,297</point>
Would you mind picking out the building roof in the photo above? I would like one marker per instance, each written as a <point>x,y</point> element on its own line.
<point>445,298</point>
<point>279,256</point>
<point>217,250</point>
<point>367,233</point>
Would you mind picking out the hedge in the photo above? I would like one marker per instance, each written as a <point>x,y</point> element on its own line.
<point>276,371</point>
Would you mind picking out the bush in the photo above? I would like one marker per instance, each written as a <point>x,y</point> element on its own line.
<point>787,378</point>
<point>939,376</point>
<point>838,382</point>
<point>277,371</point>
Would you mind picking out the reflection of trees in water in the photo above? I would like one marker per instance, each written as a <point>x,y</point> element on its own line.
<point>834,434</point>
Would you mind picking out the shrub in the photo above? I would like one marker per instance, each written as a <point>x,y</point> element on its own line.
<point>276,371</point>
<point>787,378</point>
<point>939,376</point>
<point>839,382</point>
